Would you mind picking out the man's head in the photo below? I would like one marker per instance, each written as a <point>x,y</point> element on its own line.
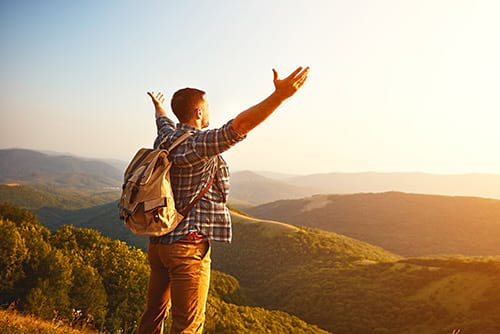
<point>190,107</point>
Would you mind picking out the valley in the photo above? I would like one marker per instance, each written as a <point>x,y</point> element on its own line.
<point>387,262</point>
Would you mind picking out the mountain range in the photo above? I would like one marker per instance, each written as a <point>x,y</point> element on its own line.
<point>477,185</point>
<point>407,224</point>
<point>32,167</point>
<point>253,188</point>
<point>260,188</point>
<point>257,189</point>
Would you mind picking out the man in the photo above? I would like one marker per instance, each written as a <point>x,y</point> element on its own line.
<point>180,260</point>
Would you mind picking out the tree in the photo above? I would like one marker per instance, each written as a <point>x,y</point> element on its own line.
<point>88,294</point>
<point>53,278</point>
<point>13,253</point>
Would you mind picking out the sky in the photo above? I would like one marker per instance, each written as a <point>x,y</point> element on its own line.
<point>394,86</point>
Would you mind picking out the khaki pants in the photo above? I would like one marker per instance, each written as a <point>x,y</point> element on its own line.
<point>180,277</point>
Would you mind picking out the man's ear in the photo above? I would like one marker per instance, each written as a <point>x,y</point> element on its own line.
<point>198,113</point>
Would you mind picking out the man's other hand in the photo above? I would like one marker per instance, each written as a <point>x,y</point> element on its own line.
<point>158,100</point>
<point>285,88</point>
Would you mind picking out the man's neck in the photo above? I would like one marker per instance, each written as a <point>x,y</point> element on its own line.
<point>195,124</point>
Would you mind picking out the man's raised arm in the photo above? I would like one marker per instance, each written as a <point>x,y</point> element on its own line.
<point>285,88</point>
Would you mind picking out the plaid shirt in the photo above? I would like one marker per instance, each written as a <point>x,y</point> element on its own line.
<point>194,163</point>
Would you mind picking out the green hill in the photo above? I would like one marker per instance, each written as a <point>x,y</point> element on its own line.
<point>35,197</point>
<point>407,224</point>
<point>34,180</point>
<point>345,285</point>
<point>78,269</point>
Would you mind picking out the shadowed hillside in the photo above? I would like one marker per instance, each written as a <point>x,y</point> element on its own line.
<point>406,224</point>
<point>103,218</point>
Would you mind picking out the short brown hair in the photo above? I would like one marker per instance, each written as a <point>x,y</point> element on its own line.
<point>184,101</point>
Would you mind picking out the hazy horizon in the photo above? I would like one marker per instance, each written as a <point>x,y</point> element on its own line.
<point>275,174</point>
<point>394,86</point>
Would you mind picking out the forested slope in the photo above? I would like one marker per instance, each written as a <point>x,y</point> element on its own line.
<point>36,197</point>
<point>342,284</point>
<point>407,224</point>
<point>52,274</point>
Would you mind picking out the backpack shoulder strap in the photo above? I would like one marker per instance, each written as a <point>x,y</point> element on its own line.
<point>177,142</point>
<point>191,205</point>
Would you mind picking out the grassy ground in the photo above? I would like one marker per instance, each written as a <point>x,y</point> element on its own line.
<point>12,322</point>
<point>456,293</point>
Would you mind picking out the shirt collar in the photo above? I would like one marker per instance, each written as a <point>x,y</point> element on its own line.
<point>187,127</point>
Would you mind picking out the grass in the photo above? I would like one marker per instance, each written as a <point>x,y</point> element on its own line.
<point>13,322</point>
<point>456,293</point>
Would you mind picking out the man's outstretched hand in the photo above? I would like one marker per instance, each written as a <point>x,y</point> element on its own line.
<point>158,100</point>
<point>285,88</point>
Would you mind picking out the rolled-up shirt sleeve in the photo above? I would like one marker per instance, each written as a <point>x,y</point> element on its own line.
<point>164,124</point>
<point>164,127</point>
<point>212,142</point>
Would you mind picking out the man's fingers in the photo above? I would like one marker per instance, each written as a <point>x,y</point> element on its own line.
<point>153,96</point>
<point>294,73</point>
<point>304,72</point>
<point>302,76</point>
<point>156,98</point>
<point>299,83</point>
<point>299,80</point>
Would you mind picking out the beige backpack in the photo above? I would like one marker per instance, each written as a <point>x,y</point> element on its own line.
<point>147,203</point>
